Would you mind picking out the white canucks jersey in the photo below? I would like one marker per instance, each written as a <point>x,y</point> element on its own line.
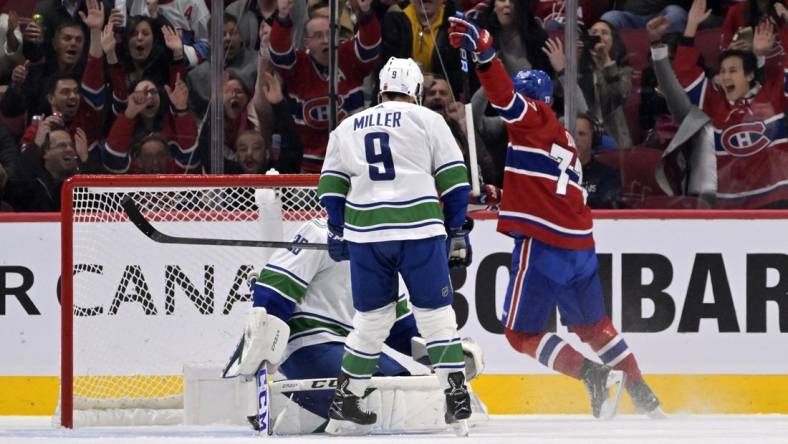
<point>319,287</point>
<point>391,164</point>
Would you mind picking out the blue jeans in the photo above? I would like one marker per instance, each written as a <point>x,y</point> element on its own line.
<point>676,15</point>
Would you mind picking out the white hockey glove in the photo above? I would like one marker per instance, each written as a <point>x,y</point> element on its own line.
<point>264,341</point>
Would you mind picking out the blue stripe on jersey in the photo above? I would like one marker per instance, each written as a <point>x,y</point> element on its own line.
<point>523,219</point>
<point>353,101</point>
<point>696,89</point>
<point>538,162</point>
<point>316,331</point>
<point>447,165</point>
<point>94,98</point>
<point>274,303</point>
<point>114,161</point>
<point>325,318</point>
<point>393,226</point>
<point>514,111</point>
<point>614,352</point>
<point>361,353</point>
<point>391,203</point>
<point>283,60</point>
<point>289,273</point>
<point>552,342</point>
<point>337,173</point>
<point>366,54</point>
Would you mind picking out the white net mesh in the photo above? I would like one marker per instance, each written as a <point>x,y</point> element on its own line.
<point>143,309</point>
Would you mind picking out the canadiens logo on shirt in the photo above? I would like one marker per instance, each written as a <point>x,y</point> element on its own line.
<point>316,112</point>
<point>745,139</point>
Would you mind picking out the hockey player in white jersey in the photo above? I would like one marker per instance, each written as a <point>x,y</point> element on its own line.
<point>301,298</point>
<point>387,171</point>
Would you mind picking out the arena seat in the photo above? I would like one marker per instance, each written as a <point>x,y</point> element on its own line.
<point>636,166</point>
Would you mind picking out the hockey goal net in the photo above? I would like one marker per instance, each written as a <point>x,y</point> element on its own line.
<point>135,311</point>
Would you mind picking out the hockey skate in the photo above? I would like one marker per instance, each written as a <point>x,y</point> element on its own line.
<point>345,414</point>
<point>599,379</point>
<point>458,404</point>
<point>644,400</point>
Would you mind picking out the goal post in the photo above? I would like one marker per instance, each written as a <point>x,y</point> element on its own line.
<point>134,311</point>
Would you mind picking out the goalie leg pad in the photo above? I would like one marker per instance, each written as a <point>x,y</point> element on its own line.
<point>265,339</point>
<point>363,345</point>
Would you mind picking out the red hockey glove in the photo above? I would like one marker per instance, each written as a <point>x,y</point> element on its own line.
<point>464,34</point>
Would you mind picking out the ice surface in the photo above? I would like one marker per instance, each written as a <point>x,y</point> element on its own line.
<point>554,429</point>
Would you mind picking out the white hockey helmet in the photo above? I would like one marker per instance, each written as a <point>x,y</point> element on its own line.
<point>402,76</point>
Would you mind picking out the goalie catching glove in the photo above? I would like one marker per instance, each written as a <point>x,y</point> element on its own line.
<point>466,35</point>
<point>263,342</point>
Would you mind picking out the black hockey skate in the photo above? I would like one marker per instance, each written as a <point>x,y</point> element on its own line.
<point>599,379</point>
<point>345,414</point>
<point>458,400</point>
<point>644,400</point>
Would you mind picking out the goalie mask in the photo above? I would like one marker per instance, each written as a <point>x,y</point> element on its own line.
<point>534,84</point>
<point>402,76</point>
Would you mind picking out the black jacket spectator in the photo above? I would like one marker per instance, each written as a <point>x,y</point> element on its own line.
<point>54,13</point>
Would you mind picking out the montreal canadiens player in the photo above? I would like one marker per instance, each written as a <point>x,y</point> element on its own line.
<point>386,173</point>
<point>553,262</point>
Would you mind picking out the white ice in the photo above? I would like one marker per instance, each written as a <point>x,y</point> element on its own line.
<point>542,429</point>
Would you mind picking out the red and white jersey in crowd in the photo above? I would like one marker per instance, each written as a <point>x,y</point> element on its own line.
<point>307,86</point>
<point>543,195</point>
<point>750,139</point>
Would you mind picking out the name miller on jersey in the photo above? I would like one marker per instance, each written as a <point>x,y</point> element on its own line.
<point>388,119</point>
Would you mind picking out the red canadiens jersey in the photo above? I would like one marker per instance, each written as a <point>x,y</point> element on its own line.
<point>307,87</point>
<point>543,195</point>
<point>750,139</point>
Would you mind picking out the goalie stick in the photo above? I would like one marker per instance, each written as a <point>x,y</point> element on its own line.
<point>136,217</point>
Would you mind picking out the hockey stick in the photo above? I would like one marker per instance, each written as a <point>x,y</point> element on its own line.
<point>136,217</point>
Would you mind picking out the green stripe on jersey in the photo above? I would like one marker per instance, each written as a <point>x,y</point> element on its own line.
<point>368,217</point>
<point>446,354</point>
<point>450,177</point>
<point>358,365</point>
<point>300,324</point>
<point>283,283</point>
<point>330,184</point>
<point>402,309</point>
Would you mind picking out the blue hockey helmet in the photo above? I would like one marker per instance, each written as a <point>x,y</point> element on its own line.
<point>534,84</point>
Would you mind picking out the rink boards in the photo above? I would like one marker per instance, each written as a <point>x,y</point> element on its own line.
<point>704,299</point>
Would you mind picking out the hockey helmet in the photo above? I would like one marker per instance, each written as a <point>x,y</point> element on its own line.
<point>402,76</point>
<point>534,84</point>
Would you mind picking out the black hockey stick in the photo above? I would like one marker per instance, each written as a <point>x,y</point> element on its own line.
<point>136,217</point>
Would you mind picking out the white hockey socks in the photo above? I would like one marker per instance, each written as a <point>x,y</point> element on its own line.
<point>439,329</point>
<point>363,345</point>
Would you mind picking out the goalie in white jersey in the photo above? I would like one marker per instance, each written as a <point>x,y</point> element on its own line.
<point>387,170</point>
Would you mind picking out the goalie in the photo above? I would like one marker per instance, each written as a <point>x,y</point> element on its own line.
<point>301,314</point>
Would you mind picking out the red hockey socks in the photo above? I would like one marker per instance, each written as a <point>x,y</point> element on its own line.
<point>549,349</point>
<point>610,346</point>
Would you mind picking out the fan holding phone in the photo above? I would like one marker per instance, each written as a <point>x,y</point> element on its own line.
<point>603,74</point>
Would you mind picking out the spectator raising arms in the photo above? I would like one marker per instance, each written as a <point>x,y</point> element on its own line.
<point>604,77</point>
<point>742,19</point>
<point>145,54</point>
<point>146,113</point>
<point>189,18</point>
<point>305,74</point>
<point>747,116</point>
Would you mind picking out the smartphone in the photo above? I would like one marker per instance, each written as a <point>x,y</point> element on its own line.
<point>591,40</point>
<point>745,33</point>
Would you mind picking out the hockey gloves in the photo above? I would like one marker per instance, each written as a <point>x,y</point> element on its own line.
<point>458,245</point>
<point>464,34</point>
<point>337,247</point>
